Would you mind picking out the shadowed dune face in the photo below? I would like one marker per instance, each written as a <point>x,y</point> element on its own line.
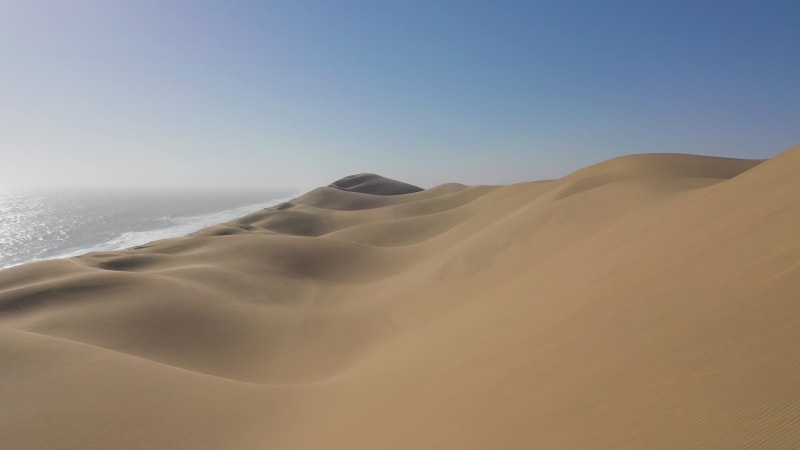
<point>369,183</point>
<point>648,301</point>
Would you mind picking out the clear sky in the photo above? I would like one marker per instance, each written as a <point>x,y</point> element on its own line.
<point>299,93</point>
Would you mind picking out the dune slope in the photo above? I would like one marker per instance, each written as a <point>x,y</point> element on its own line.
<point>649,301</point>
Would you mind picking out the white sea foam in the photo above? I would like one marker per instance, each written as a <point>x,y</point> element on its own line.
<point>180,226</point>
<point>37,226</point>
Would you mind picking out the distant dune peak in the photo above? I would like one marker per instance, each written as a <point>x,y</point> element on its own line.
<point>370,183</point>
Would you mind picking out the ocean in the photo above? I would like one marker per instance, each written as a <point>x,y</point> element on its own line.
<point>39,225</point>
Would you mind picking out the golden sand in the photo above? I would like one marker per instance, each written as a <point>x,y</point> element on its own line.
<point>649,301</point>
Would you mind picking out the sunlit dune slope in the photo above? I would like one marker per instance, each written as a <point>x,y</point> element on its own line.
<point>649,301</point>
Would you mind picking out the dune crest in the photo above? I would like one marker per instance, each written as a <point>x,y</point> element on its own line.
<point>370,183</point>
<point>649,301</point>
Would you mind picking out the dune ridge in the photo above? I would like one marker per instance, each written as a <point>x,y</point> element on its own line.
<point>648,301</point>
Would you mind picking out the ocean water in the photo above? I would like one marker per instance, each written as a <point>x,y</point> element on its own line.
<point>38,225</point>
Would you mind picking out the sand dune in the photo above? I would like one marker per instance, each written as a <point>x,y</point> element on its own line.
<point>649,301</point>
<point>369,183</point>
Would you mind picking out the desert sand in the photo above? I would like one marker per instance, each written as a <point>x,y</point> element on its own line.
<point>649,301</point>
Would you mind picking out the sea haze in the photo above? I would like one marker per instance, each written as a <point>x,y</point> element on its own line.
<point>37,225</point>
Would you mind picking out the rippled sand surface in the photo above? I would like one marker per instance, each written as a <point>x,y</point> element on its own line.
<point>649,301</point>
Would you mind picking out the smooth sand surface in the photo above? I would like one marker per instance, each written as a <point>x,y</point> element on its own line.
<point>649,301</point>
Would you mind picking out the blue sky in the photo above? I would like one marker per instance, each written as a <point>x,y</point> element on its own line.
<point>299,93</point>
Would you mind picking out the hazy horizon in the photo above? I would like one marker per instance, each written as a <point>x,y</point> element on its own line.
<point>298,94</point>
